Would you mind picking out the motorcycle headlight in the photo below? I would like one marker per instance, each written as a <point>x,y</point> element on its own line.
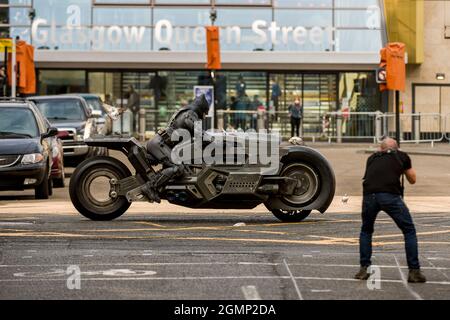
<point>32,158</point>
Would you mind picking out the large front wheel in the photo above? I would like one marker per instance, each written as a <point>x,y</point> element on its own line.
<point>90,188</point>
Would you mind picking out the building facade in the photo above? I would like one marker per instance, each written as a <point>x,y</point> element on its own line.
<point>322,52</point>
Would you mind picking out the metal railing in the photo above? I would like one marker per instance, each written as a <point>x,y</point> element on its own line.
<point>447,127</point>
<point>414,127</point>
<point>327,126</point>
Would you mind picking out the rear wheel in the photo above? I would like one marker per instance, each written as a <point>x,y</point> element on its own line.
<point>307,190</point>
<point>291,215</point>
<point>90,188</point>
<point>307,184</point>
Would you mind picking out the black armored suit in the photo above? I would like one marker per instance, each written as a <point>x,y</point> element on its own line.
<point>160,147</point>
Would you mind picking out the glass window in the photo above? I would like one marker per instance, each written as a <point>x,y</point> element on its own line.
<point>17,122</point>
<point>22,33</point>
<point>61,81</point>
<point>182,16</point>
<point>61,109</point>
<point>242,16</point>
<point>16,2</point>
<point>305,18</point>
<point>63,12</point>
<point>303,3</point>
<point>62,38</point>
<point>107,86</point>
<point>14,16</point>
<point>358,40</point>
<point>357,19</point>
<point>183,2</point>
<point>244,2</point>
<point>184,31</point>
<point>356,3</point>
<point>126,2</point>
<point>245,40</point>
<point>123,16</point>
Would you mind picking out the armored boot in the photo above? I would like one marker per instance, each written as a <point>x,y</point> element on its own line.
<point>150,192</point>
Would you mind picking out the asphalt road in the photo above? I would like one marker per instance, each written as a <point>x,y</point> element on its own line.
<point>167,252</point>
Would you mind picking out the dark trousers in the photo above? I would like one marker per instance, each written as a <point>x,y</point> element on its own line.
<point>394,206</point>
<point>295,126</point>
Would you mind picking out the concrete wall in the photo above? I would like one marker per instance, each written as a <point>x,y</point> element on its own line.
<point>436,60</point>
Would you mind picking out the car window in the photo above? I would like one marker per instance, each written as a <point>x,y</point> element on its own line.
<point>17,122</point>
<point>94,103</point>
<point>59,109</point>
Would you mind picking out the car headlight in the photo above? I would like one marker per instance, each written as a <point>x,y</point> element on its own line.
<point>32,158</point>
<point>80,135</point>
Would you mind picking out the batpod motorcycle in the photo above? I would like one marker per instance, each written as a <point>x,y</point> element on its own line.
<point>302,180</point>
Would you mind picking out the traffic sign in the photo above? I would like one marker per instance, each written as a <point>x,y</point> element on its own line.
<point>6,43</point>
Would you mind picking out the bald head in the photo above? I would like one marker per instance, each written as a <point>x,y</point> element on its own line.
<point>388,144</point>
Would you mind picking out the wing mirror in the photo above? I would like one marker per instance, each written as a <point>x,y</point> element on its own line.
<point>51,132</point>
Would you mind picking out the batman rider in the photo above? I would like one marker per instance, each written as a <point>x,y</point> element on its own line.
<point>159,148</point>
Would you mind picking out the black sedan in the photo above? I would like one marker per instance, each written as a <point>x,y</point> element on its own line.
<point>25,149</point>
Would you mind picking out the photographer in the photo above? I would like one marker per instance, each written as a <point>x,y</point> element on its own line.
<point>383,192</point>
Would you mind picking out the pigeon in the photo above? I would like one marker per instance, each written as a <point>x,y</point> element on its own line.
<point>345,199</point>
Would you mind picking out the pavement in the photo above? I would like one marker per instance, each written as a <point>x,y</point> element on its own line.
<point>169,252</point>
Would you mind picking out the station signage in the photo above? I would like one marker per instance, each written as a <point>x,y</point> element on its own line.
<point>260,34</point>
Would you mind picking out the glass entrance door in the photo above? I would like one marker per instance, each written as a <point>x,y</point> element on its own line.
<point>317,92</point>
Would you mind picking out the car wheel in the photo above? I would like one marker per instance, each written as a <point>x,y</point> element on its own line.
<point>50,186</point>
<point>291,215</point>
<point>42,191</point>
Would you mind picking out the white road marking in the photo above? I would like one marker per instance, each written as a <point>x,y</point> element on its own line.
<point>216,278</point>
<point>88,255</point>
<point>357,266</point>
<point>27,257</point>
<point>250,293</point>
<point>15,223</point>
<point>438,269</point>
<point>293,280</point>
<point>307,256</point>
<point>320,291</point>
<point>405,283</point>
<point>143,264</point>
<point>438,258</point>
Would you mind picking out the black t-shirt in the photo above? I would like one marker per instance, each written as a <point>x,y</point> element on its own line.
<point>383,172</point>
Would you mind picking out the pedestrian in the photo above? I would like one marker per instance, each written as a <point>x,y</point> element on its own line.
<point>383,192</point>
<point>3,81</point>
<point>296,115</point>
<point>275,93</point>
<point>133,105</point>
<point>241,87</point>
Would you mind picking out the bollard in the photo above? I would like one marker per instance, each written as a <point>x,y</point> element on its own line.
<point>339,127</point>
<point>417,127</point>
<point>220,119</point>
<point>378,127</point>
<point>142,124</point>
<point>260,123</point>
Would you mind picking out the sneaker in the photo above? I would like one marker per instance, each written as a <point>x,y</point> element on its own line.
<point>362,274</point>
<point>416,276</point>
